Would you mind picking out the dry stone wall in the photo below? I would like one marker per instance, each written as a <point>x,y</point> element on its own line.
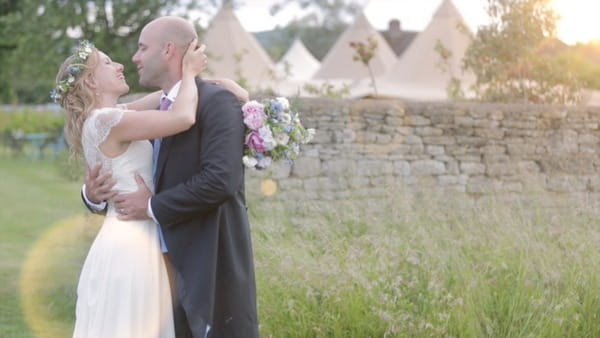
<point>364,148</point>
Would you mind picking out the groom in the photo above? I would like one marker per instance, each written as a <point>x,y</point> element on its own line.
<point>199,199</point>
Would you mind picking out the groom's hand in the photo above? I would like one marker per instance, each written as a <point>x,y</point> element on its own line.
<point>98,187</point>
<point>134,205</point>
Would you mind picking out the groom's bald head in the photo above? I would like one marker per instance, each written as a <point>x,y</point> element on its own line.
<point>161,47</point>
<point>172,29</point>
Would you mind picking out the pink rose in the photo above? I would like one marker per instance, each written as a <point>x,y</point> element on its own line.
<point>254,115</point>
<point>253,141</point>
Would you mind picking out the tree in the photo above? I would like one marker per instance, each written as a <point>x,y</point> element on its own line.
<point>44,31</point>
<point>327,14</point>
<point>585,60</point>
<point>363,53</point>
<point>322,22</point>
<point>508,59</point>
<point>7,45</point>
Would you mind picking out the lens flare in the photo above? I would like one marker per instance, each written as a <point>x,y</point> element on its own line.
<point>268,187</point>
<point>50,274</point>
<point>48,279</point>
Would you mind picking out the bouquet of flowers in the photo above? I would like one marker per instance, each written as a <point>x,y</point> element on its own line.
<point>273,133</point>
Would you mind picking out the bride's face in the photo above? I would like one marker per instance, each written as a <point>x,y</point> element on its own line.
<point>109,76</point>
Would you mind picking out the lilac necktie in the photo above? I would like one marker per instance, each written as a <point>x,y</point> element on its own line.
<point>165,102</point>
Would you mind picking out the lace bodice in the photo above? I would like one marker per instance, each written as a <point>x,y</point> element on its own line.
<point>137,157</point>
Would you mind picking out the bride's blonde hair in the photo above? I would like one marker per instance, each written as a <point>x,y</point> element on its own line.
<point>78,99</point>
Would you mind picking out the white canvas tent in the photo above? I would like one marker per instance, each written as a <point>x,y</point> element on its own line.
<point>234,53</point>
<point>298,63</point>
<point>338,64</point>
<point>592,98</point>
<point>417,74</point>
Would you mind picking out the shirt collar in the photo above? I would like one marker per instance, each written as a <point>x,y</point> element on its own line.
<point>172,94</point>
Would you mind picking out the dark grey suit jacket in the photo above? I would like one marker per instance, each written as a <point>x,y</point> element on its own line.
<point>200,205</point>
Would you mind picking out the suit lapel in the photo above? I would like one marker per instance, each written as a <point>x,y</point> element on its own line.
<point>163,154</point>
<point>165,146</point>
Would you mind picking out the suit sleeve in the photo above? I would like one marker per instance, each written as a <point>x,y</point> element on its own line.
<point>91,208</point>
<point>221,172</point>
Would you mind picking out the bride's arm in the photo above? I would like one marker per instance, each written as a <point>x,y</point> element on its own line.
<point>232,86</point>
<point>147,124</point>
<point>147,102</point>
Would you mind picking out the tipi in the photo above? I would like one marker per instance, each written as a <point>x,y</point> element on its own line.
<point>339,64</point>
<point>298,63</point>
<point>418,74</point>
<point>234,53</point>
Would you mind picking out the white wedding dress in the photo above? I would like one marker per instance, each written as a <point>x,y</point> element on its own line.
<point>123,289</point>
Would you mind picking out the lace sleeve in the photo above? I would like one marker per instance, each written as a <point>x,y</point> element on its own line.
<point>95,130</point>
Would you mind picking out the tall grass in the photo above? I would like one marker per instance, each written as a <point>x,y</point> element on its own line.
<point>406,266</point>
<point>428,266</point>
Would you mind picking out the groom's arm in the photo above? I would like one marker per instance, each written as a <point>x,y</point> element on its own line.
<point>96,208</point>
<point>97,189</point>
<point>221,173</point>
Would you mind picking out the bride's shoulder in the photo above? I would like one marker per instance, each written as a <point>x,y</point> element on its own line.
<point>105,115</point>
<point>107,110</point>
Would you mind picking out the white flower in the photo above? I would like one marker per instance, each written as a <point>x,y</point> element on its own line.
<point>295,149</point>
<point>264,162</point>
<point>310,134</point>
<point>285,118</point>
<point>249,162</point>
<point>282,138</point>
<point>285,104</point>
<point>267,136</point>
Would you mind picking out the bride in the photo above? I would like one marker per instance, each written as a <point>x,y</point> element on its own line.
<point>123,289</point>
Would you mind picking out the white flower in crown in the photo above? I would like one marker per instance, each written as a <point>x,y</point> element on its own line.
<point>85,49</point>
<point>80,55</point>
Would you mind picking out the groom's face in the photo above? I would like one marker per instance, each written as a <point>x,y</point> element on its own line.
<point>149,58</point>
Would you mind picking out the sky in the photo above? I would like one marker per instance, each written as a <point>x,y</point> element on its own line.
<point>579,20</point>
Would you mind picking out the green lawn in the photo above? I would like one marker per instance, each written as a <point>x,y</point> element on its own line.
<point>406,266</point>
<point>34,198</point>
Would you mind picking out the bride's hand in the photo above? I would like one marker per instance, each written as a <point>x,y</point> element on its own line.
<point>194,59</point>
<point>241,93</point>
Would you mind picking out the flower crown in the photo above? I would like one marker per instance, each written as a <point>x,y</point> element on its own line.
<point>82,52</point>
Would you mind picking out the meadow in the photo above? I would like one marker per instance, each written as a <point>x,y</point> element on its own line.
<point>406,266</point>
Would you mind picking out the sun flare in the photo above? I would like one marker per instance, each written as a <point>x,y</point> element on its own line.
<point>578,20</point>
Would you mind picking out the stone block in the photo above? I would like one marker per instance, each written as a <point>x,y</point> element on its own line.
<point>336,167</point>
<point>416,120</point>
<point>472,168</point>
<point>402,168</point>
<point>427,167</point>
<point>306,167</point>
<point>500,169</point>
<point>434,150</point>
<point>566,183</point>
<point>483,185</point>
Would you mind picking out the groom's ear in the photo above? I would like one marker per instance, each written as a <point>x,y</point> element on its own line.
<point>170,49</point>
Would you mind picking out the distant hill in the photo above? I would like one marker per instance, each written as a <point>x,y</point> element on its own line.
<point>318,41</point>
